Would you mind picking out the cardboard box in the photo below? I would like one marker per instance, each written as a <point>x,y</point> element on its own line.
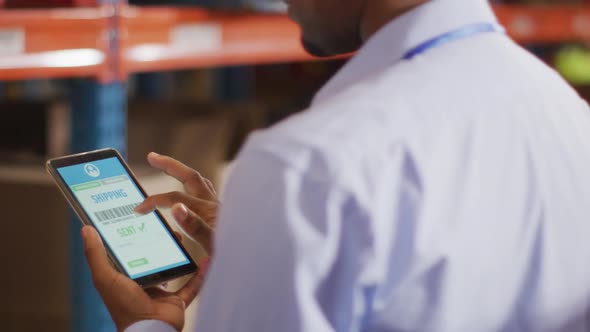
<point>34,246</point>
<point>203,136</point>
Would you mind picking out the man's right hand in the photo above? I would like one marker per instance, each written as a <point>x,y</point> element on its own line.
<point>196,210</point>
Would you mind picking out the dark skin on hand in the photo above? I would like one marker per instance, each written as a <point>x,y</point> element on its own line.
<point>195,212</point>
<point>329,27</point>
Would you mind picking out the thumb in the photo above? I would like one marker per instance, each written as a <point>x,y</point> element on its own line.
<point>96,256</point>
<point>194,226</point>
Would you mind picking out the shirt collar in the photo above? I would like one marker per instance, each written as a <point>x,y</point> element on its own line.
<point>404,33</point>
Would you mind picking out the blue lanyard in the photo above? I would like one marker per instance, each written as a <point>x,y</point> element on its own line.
<point>461,33</point>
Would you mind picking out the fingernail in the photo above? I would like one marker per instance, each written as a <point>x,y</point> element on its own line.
<point>153,154</point>
<point>90,231</point>
<point>85,236</point>
<point>183,212</point>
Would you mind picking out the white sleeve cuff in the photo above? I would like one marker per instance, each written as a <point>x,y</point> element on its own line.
<point>150,326</point>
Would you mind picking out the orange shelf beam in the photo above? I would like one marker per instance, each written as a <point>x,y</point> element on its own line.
<point>169,38</point>
<point>55,43</point>
<point>545,24</point>
<point>74,42</point>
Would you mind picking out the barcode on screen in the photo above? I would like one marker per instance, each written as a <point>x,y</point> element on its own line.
<point>115,213</point>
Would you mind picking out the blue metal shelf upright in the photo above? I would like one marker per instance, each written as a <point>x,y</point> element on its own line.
<point>99,120</point>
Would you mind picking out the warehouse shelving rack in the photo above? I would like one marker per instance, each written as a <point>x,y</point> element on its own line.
<point>99,46</point>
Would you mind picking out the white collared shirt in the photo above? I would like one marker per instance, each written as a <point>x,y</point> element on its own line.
<point>446,193</point>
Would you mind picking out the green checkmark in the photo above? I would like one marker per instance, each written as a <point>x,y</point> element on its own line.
<point>142,227</point>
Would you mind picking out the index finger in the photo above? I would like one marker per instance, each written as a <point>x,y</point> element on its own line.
<point>172,167</point>
<point>96,256</point>
<point>193,182</point>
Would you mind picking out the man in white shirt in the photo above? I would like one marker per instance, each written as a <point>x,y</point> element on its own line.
<point>439,182</point>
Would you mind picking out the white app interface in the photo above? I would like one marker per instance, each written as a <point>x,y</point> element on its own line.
<point>107,193</point>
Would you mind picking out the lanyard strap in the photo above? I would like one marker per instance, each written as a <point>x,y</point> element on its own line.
<point>461,33</point>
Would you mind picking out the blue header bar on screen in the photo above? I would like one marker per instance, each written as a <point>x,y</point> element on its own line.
<point>92,171</point>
